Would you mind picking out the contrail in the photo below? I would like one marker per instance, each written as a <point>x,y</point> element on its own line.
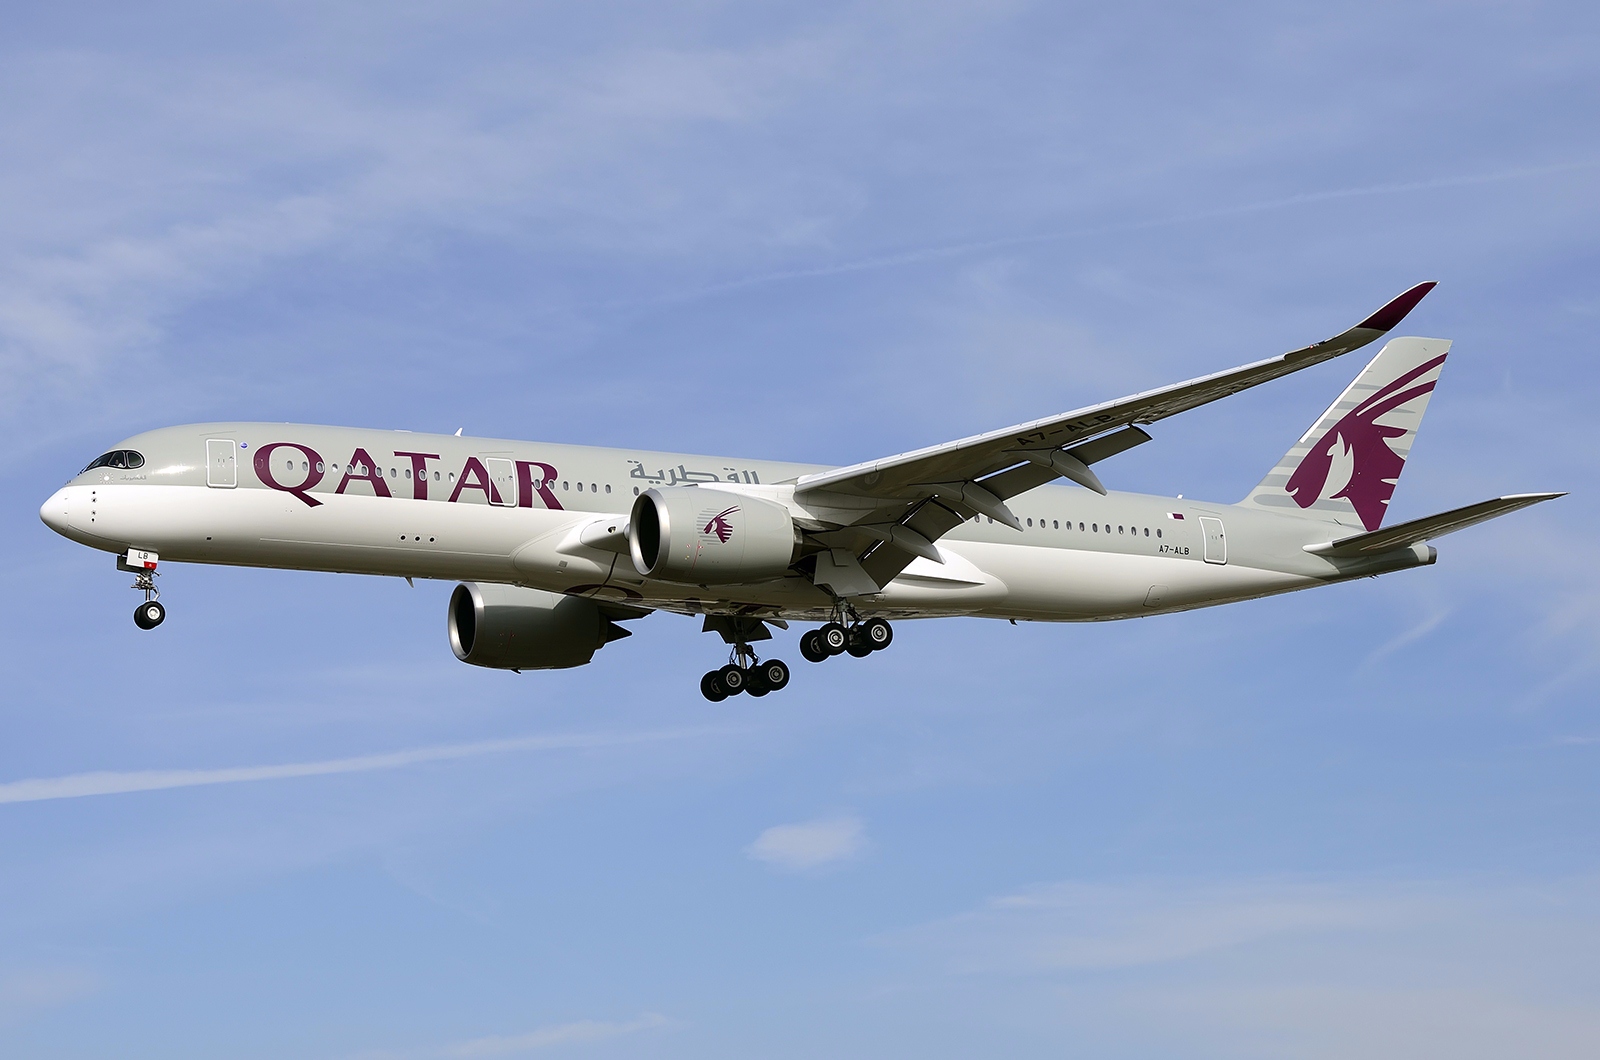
<point>82,785</point>
<point>919,254</point>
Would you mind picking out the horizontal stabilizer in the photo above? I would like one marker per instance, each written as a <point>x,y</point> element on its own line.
<point>1428,527</point>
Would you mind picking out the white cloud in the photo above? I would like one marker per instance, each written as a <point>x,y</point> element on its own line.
<point>1285,968</point>
<point>1082,927</point>
<point>811,844</point>
<point>81,785</point>
<point>560,1034</point>
<point>24,993</point>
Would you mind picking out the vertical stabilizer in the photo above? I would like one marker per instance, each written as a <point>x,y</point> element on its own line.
<point>1346,466</point>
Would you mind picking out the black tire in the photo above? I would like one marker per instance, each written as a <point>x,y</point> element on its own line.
<point>733,679</point>
<point>774,674</point>
<point>834,638</point>
<point>149,614</point>
<point>711,687</point>
<point>878,633</point>
<point>811,647</point>
<point>860,646</point>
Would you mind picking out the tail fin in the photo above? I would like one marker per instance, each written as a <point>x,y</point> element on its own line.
<point>1347,464</point>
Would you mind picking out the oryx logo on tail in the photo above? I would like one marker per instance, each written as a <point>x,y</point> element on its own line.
<point>717,525</point>
<point>1354,458</point>
<point>1345,467</point>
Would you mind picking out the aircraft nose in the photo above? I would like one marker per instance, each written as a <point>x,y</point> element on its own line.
<point>54,511</point>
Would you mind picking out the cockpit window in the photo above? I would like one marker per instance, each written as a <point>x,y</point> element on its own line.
<point>118,458</point>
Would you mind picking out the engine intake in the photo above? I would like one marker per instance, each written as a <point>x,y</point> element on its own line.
<point>706,536</point>
<point>507,627</point>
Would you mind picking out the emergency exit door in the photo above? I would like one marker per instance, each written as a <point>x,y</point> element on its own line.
<point>222,463</point>
<point>502,482</point>
<point>1216,540</point>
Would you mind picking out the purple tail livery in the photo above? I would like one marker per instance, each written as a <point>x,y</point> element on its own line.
<point>1346,466</point>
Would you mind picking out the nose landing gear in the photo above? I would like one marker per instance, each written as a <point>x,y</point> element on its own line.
<point>142,564</point>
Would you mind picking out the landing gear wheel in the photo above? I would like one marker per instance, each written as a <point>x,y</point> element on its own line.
<point>756,681</point>
<point>711,687</point>
<point>878,633</point>
<point>149,614</point>
<point>733,679</point>
<point>859,645</point>
<point>833,638</point>
<point>812,648</point>
<point>774,674</point>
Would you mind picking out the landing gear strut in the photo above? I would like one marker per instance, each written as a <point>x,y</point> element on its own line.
<point>744,672</point>
<point>859,638</point>
<point>149,614</point>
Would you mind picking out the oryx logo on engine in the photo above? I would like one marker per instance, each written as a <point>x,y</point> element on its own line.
<point>717,524</point>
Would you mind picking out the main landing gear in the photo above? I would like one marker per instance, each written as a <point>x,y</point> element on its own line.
<point>744,674</point>
<point>860,639</point>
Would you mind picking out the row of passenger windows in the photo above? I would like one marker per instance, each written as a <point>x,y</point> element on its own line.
<point>360,470</point>
<point>1092,528</point>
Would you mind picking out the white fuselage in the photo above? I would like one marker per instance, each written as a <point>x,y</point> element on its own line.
<point>546,516</point>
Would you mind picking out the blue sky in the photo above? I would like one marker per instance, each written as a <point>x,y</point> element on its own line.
<point>1358,821</point>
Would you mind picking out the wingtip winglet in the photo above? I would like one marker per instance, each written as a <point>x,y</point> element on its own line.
<point>1390,315</point>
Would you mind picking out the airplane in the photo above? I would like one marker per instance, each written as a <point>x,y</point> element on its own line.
<point>554,546</point>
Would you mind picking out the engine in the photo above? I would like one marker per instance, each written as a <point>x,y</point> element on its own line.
<point>706,536</point>
<point>511,628</point>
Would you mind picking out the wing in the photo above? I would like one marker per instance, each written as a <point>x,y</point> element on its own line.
<point>891,510</point>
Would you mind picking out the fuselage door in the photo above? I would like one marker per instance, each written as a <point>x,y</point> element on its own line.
<point>503,479</point>
<point>222,463</point>
<point>1216,541</point>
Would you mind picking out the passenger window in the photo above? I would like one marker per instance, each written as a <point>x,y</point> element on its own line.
<point>636,491</point>
<point>580,487</point>
<point>1158,533</point>
<point>1097,528</point>
<point>1147,531</point>
<point>436,479</point>
<point>608,487</point>
<point>1119,529</point>
<point>408,472</point>
<point>592,488</point>
<point>564,485</point>
<point>320,467</point>
<point>1055,524</point>
<point>1030,522</point>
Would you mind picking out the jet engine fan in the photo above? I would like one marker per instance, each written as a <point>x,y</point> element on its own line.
<point>706,536</point>
<point>507,627</point>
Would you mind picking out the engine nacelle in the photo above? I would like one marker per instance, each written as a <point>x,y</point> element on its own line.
<point>706,536</point>
<point>507,627</point>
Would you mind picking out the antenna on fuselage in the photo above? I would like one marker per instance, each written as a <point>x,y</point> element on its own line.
<point>459,430</point>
